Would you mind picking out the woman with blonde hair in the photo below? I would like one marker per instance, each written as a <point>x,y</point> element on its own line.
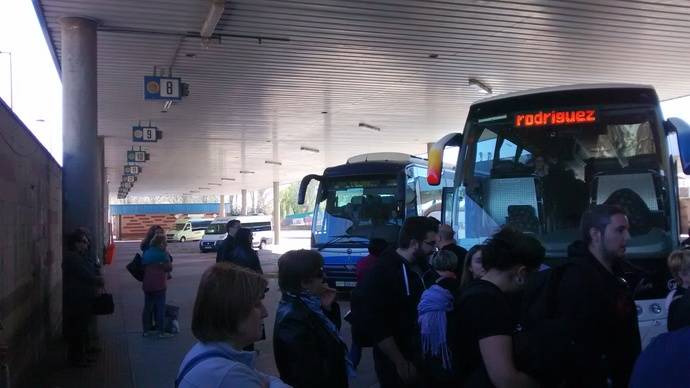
<point>228,315</point>
<point>679,267</point>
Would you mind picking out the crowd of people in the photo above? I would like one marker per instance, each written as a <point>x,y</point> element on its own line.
<point>434,314</point>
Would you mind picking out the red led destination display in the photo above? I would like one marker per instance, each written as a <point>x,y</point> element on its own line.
<point>540,119</point>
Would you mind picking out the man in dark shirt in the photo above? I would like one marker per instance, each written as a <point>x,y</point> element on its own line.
<point>446,242</point>
<point>390,293</point>
<point>225,249</point>
<point>597,302</point>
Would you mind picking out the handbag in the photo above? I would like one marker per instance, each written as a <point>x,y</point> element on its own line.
<point>103,304</point>
<point>136,267</point>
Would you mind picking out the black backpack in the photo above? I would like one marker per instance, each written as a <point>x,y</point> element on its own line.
<point>360,335</point>
<point>545,343</point>
<point>136,267</point>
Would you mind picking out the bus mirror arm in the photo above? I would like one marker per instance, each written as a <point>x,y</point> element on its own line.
<point>682,130</point>
<point>304,185</point>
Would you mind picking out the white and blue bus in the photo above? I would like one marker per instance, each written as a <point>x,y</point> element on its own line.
<point>537,160</point>
<point>368,197</point>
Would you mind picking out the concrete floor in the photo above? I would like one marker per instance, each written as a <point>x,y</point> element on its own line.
<point>129,360</point>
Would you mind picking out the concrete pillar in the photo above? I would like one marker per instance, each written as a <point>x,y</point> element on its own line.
<point>82,202</point>
<point>244,202</point>
<point>221,210</point>
<point>276,212</point>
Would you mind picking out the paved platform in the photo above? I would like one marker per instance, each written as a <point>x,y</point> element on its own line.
<point>129,360</point>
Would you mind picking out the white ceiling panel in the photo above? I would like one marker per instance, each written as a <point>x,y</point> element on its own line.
<point>359,61</point>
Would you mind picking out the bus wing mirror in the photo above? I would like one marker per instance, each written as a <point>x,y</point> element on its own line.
<point>682,130</point>
<point>435,164</point>
<point>303,187</point>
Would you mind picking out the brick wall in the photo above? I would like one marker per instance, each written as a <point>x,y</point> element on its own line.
<point>30,247</point>
<point>134,227</point>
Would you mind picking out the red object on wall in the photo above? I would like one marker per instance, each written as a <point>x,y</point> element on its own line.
<point>109,254</point>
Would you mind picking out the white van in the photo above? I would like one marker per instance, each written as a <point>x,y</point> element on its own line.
<point>260,226</point>
<point>188,230</point>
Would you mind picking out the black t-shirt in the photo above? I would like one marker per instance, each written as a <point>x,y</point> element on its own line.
<point>481,311</point>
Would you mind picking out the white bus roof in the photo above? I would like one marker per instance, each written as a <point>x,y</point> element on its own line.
<point>242,219</point>
<point>564,88</point>
<point>385,157</point>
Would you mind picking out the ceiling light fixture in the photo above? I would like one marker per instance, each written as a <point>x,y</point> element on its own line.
<point>479,86</point>
<point>204,188</point>
<point>166,106</point>
<point>193,191</point>
<point>273,162</point>
<point>214,184</point>
<point>227,179</point>
<point>310,149</point>
<point>246,172</point>
<point>212,18</point>
<point>433,56</point>
<point>373,128</point>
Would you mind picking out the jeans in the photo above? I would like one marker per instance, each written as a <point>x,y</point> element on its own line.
<point>154,305</point>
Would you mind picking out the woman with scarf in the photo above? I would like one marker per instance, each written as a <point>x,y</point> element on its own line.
<point>434,307</point>
<point>309,351</point>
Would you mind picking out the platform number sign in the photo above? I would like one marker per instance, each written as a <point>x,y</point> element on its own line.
<point>132,170</point>
<point>146,134</point>
<point>137,156</point>
<point>160,88</point>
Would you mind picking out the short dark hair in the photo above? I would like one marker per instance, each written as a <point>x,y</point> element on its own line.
<point>510,247</point>
<point>416,228</point>
<point>377,246</point>
<point>71,239</point>
<point>297,266</point>
<point>232,224</point>
<point>226,295</point>
<point>598,216</point>
<point>243,238</point>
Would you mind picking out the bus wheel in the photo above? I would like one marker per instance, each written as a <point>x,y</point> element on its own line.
<point>262,244</point>
<point>183,239</point>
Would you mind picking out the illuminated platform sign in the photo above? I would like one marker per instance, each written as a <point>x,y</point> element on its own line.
<point>541,119</point>
<point>162,88</point>
<point>146,134</point>
<point>132,170</point>
<point>137,156</point>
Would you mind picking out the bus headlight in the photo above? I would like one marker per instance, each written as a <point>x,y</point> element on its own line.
<point>655,308</point>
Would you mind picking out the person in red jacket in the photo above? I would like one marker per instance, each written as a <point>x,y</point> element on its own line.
<point>376,248</point>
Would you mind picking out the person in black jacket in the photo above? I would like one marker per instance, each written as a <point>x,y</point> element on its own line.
<point>225,248</point>
<point>243,254</point>
<point>80,282</point>
<point>390,293</point>
<point>597,301</point>
<point>309,351</point>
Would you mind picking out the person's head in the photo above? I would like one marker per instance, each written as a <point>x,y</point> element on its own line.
<point>446,234</point>
<point>159,242</point>
<point>85,232</point>
<point>473,262</point>
<point>418,237</point>
<point>604,229</point>
<point>232,227</point>
<point>679,266</point>
<point>77,242</point>
<point>243,238</point>
<point>299,271</point>
<point>377,246</point>
<point>228,306</point>
<point>153,230</point>
<point>444,261</point>
<point>513,255</point>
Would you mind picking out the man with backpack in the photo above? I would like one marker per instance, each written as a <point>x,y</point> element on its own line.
<point>224,249</point>
<point>581,317</point>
